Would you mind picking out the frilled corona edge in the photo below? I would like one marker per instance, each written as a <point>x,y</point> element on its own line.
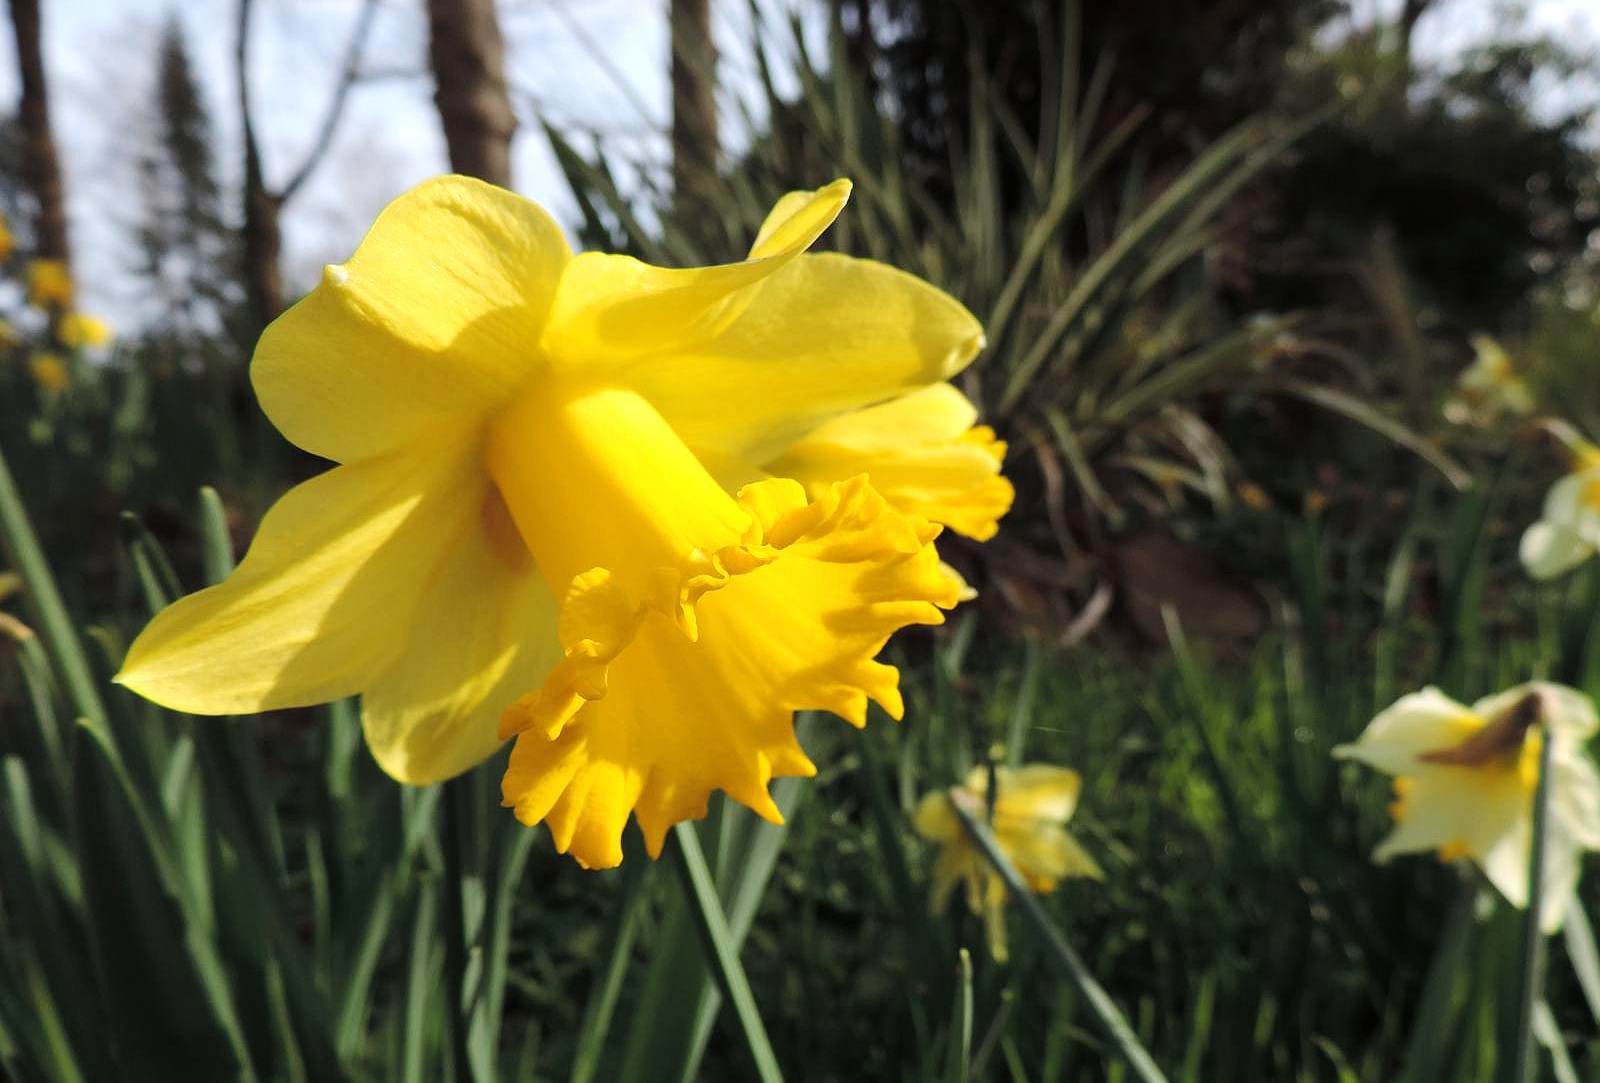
<point>663,698</point>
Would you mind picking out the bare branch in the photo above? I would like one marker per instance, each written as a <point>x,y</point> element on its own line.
<point>348,76</point>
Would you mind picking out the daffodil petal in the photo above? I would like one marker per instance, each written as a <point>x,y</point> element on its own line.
<point>1421,722</point>
<point>615,309</point>
<point>920,450</point>
<point>1558,887</point>
<point>1449,806</point>
<point>1039,791</point>
<point>1046,853</point>
<point>325,598</point>
<point>486,632</point>
<point>436,317</point>
<point>1498,829</point>
<point>951,867</point>
<point>823,335</point>
<point>1565,710</point>
<point>1550,549</point>
<point>1575,799</point>
<point>934,819</point>
<point>797,219</point>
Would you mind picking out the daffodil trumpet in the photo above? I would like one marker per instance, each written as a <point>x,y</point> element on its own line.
<point>595,506</point>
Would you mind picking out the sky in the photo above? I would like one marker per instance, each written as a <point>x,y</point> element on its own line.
<point>587,66</point>
<point>584,65</point>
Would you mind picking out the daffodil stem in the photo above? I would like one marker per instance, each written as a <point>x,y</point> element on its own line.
<point>1521,1067</point>
<point>457,792</point>
<point>1071,966</point>
<point>722,953</point>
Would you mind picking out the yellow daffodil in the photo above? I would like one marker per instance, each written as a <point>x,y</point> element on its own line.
<point>923,452</point>
<point>49,284</point>
<point>1031,810</point>
<point>1489,388</point>
<point>531,534</point>
<point>1253,496</point>
<point>8,241</point>
<point>79,331</point>
<point>50,372</point>
<point>1465,779</point>
<point>1568,531</point>
<point>8,334</point>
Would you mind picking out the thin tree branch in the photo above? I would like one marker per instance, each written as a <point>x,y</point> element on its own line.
<point>241,46</point>
<point>341,94</point>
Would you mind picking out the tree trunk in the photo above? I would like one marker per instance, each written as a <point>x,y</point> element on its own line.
<point>262,234</point>
<point>40,166</point>
<point>468,57</point>
<point>694,103</point>
<point>263,250</point>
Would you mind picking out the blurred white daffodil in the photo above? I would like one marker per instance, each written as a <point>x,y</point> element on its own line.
<point>1465,779</point>
<point>1489,389</point>
<point>1568,531</point>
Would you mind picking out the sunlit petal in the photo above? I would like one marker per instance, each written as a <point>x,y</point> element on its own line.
<point>921,450</point>
<point>436,318</point>
<point>1418,723</point>
<point>325,600</point>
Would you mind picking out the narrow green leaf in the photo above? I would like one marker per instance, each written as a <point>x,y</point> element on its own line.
<point>620,935</point>
<point>422,984</point>
<point>21,546</point>
<point>1106,1012</point>
<point>1520,1066</point>
<point>165,990</point>
<point>1366,414</point>
<point>958,1055</point>
<point>216,543</point>
<point>721,950</point>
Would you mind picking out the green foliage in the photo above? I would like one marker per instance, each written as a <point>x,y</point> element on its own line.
<point>249,898</point>
<point>1109,355</point>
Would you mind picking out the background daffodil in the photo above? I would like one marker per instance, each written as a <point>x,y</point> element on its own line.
<point>49,283</point>
<point>1489,389</point>
<point>1032,806</point>
<point>531,530</point>
<point>79,331</point>
<point>1465,779</point>
<point>50,372</point>
<point>1568,531</point>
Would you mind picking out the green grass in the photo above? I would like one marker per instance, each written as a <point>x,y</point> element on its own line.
<point>257,889</point>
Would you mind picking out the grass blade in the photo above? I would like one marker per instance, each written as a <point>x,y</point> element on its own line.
<point>1520,1068</point>
<point>720,948</point>
<point>602,1005</point>
<point>1105,1011</point>
<point>960,1053</point>
<point>21,546</point>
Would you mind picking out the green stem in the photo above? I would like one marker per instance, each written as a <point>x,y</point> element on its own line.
<point>456,816</point>
<point>720,947</point>
<point>1522,1068</point>
<point>1105,1009</point>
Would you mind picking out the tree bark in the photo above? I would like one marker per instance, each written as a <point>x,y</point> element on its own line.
<point>263,251</point>
<point>40,165</point>
<point>694,103</point>
<point>262,234</point>
<point>468,58</point>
